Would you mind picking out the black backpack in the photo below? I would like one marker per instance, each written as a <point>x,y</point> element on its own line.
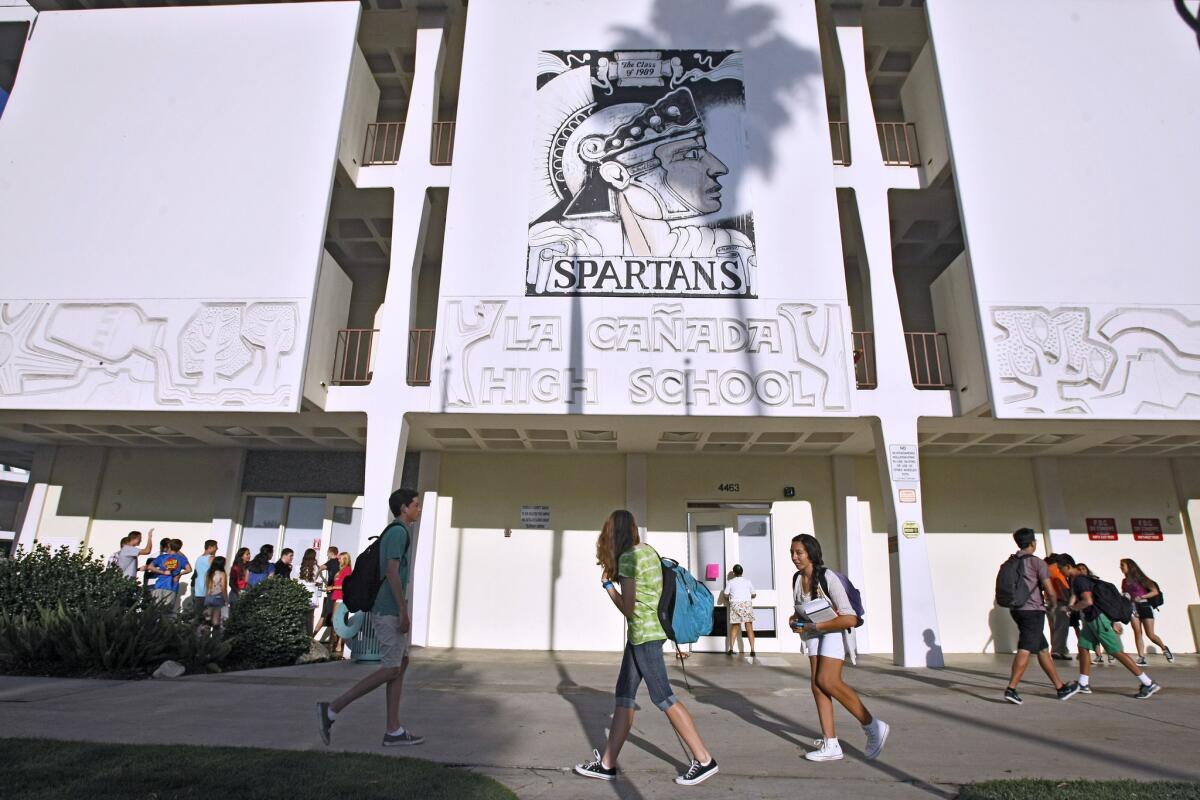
<point>1111,603</point>
<point>1012,590</point>
<point>361,586</point>
<point>1157,600</point>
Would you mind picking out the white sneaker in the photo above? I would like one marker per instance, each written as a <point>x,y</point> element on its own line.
<point>830,750</point>
<point>877,733</point>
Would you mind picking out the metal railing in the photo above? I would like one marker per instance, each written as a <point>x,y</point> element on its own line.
<point>382,145</point>
<point>420,356</point>
<point>352,357</point>
<point>864,360</point>
<point>898,144</point>
<point>441,150</point>
<point>839,137</point>
<point>929,359</point>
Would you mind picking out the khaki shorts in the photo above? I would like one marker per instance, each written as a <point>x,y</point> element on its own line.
<point>392,643</point>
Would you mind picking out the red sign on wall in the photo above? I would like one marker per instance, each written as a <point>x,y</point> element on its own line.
<point>1146,529</point>
<point>1102,529</point>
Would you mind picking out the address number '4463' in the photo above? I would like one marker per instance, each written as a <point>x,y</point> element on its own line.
<point>729,487</point>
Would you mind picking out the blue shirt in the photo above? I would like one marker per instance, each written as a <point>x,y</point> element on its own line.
<point>394,545</point>
<point>200,575</point>
<point>173,563</point>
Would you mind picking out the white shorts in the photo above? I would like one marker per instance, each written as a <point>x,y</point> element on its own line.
<point>830,645</point>
<point>393,644</point>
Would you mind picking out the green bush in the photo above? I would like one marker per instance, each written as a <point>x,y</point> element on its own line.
<point>110,642</point>
<point>267,627</point>
<point>40,577</point>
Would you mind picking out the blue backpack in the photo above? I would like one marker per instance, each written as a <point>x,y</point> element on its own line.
<point>686,606</point>
<point>852,593</point>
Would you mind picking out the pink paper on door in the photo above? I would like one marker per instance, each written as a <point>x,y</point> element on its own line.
<point>712,572</point>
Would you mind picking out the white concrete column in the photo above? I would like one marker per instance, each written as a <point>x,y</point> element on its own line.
<point>29,513</point>
<point>846,514</point>
<point>387,438</point>
<point>914,613</point>
<point>635,489</point>
<point>1189,524</point>
<point>420,584</point>
<point>1050,501</point>
<point>228,502</point>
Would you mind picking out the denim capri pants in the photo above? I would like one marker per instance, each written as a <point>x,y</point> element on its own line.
<point>644,662</point>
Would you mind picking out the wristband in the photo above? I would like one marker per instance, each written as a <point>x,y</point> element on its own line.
<point>606,585</point>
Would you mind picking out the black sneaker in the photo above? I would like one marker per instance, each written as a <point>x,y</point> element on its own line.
<point>1146,691</point>
<point>1069,690</point>
<point>698,773</point>
<point>596,769</point>
<point>1011,696</point>
<point>324,723</point>
<point>406,739</point>
<point>1167,652</point>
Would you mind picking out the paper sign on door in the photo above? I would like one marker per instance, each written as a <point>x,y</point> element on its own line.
<point>712,572</point>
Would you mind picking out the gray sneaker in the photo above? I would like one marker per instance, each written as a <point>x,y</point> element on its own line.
<point>1085,689</point>
<point>324,723</point>
<point>1146,691</point>
<point>405,739</point>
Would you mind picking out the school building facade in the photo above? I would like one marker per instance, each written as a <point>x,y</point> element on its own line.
<point>903,274</point>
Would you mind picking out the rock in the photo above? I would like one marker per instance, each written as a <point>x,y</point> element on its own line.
<point>169,669</point>
<point>316,652</point>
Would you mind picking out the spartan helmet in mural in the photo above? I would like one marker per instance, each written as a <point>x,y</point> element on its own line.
<point>650,158</point>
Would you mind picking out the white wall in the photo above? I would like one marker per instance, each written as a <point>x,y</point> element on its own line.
<point>779,171</point>
<point>1072,126</point>
<point>954,313</point>
<point>164,190</point>
<point>921,99</point>
<point>330,313</point>
<point>362,106</point>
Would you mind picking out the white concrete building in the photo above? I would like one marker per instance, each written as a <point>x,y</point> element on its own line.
<point>905,275</point>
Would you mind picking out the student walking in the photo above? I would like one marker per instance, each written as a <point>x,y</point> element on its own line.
<point>1058,614</point>
<point>739,596</point>
<point>1143,592</point>
<point>336,594</point>
<point>637,567</point>
<point>392,623</point>
<point>131,550</point>
<point>329,571</point>
<point>1097,658</point>
<point>169,567</point>
<point>216,591</point>
<point>260,567</point>
<point>283,567</point>
<point>238,576</point>
<point>1098,629</point>
<point>828,643</point>
<point>1024,586</point>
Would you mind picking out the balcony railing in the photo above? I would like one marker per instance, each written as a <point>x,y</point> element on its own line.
<point>352,357</point>
<point>441,150</point>
<point>929,360</point>
<point>383,143</point>
<point>898,143</point>
<point>864,360</point>
<point>839,136</point>
<point>420,356</point>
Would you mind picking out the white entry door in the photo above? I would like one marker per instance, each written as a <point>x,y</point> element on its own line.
<point>717,540</point>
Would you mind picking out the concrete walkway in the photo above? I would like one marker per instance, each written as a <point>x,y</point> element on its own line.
<point>525,718</point>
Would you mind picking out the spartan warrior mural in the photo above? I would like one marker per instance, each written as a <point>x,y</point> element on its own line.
<point>635,170</point>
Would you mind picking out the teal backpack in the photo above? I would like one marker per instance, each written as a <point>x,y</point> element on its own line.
<point>686,606</point>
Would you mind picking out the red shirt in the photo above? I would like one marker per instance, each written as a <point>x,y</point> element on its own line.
<point>337,583</point>
<point>237,576</point>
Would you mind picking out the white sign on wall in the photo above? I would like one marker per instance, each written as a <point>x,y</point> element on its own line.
<point>905,466</point>
<point>535,517</point>
<point>630,152</point>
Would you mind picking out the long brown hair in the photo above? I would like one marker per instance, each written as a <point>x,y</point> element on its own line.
<point>620,532</point>
<point>1136,575</point>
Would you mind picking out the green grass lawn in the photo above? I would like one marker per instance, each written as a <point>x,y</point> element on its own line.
<point>1079,790</point>
<point>42,769</point>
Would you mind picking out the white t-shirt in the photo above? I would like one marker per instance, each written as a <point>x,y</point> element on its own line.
<point>127,560</point>
<point>739,590</point>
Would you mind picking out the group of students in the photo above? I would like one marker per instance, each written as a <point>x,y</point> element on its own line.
<point>215,588</point>
<point>1067,594</point>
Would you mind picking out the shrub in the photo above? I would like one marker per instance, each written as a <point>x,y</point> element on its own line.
<point>73,580</point>
<point>267,627</point>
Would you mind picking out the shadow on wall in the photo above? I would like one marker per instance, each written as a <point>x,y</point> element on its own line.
<point>1003,630</point>
<point>934,658</point>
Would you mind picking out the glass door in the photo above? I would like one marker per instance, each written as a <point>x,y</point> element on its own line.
<point>717,540</point>
<point>300,522</point>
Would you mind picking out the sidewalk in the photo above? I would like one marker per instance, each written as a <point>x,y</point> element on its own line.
<point>525,718</point>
